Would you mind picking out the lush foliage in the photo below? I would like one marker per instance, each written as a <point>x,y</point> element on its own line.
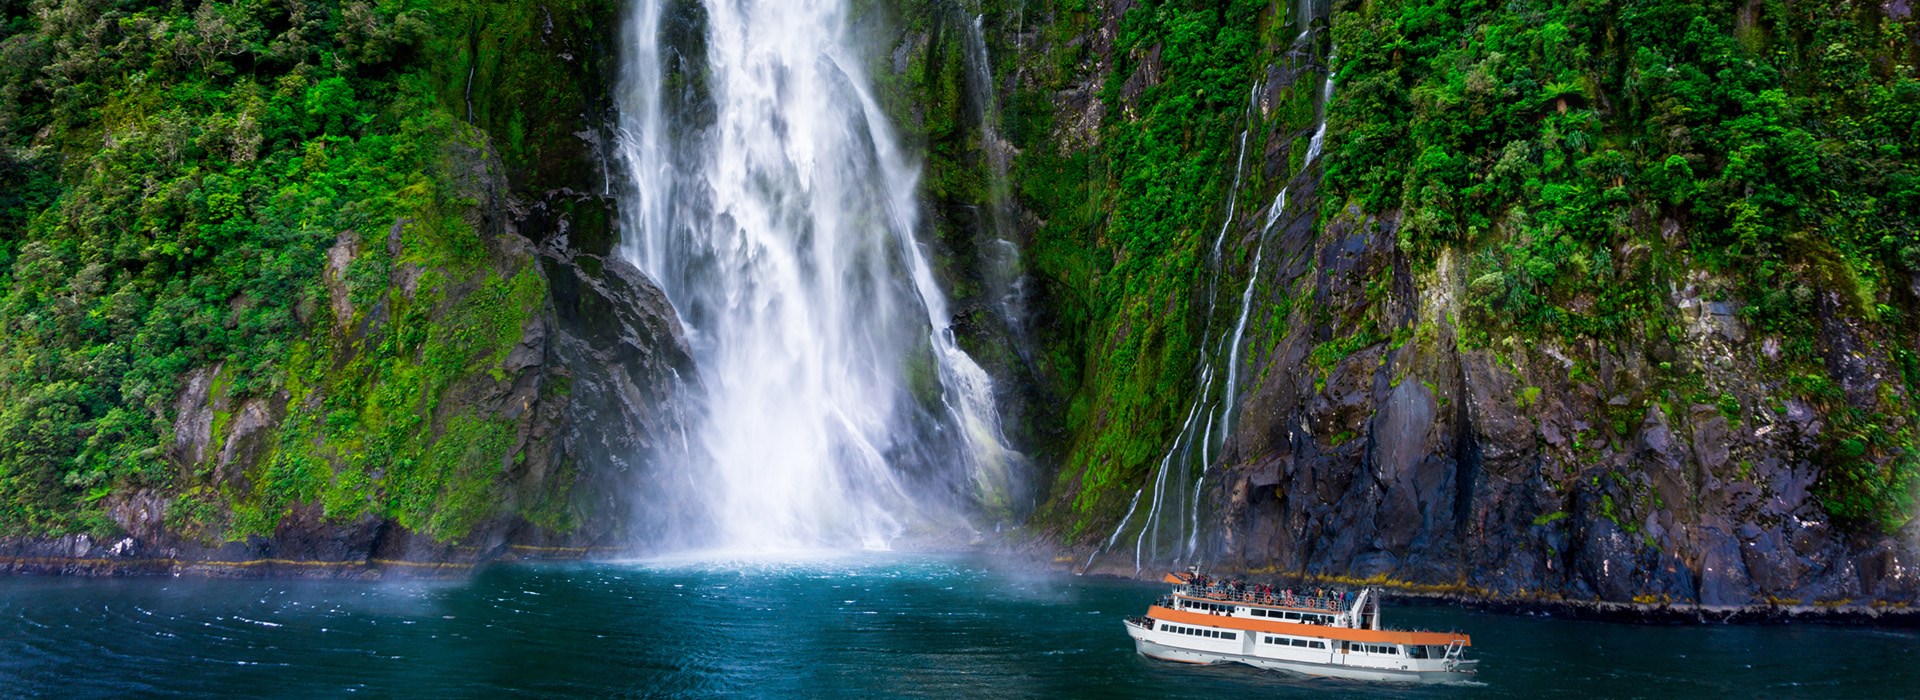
<point>1126,227</point>
<point>1590,154</point>
<point>172,175</point>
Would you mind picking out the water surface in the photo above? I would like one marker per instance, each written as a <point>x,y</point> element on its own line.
<point>830,625</point>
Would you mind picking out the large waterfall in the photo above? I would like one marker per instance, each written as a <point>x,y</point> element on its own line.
<point>769,197</point>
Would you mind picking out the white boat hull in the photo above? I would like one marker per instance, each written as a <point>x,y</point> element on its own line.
<point>1156,650</point>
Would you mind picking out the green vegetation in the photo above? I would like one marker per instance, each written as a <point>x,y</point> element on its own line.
<point>1127,225</point>
<point>1590,153</point>
<point>170,176</point>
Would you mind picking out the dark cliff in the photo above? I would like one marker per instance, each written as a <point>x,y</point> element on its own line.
<point>1569,309</point>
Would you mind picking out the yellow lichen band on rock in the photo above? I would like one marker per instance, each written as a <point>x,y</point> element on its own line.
<point>239,564</point>
<point>532,548</point>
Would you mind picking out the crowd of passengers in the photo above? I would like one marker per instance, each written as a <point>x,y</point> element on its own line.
<point>1329,599</point>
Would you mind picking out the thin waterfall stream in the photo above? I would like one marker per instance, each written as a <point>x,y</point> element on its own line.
<point>1173,508</point>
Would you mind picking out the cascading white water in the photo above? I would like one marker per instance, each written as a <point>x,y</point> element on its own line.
<point>778,213</point>
<point>1167,487</point>
<point>1170,492</point>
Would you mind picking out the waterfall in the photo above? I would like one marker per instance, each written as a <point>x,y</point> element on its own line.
<point>1246,309</point>
<point>1004,279</point>
<point>1171,489</point>
<point>767,194</point>
<point>1319,139</point>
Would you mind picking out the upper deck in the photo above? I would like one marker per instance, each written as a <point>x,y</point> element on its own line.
<point>1264,609</point>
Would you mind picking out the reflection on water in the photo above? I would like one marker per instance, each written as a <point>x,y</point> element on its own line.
<point>823,624</point>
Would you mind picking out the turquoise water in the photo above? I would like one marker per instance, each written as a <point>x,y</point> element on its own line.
<point>831,625</point>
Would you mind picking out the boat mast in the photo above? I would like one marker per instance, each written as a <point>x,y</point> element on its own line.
<point>1365,613</point>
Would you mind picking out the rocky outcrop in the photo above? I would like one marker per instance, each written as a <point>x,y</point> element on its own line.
<point>633,385</point>
<point>1534,469</point>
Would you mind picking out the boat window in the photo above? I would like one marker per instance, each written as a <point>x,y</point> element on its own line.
<point>1293,615</point>
<point>1230,635</point>
<point>1393,650</point>
<point>1416,652</point>
<point>1319,645</point>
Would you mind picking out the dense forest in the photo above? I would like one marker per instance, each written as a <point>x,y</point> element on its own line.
<point>1631,281</point>
<point>176,177</point>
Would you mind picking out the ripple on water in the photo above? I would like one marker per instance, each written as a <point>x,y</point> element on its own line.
<point>820,624</point>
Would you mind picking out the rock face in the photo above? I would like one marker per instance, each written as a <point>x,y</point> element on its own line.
<point>1381,432</point>
<point>634,385</point>
<point>1544,470</point>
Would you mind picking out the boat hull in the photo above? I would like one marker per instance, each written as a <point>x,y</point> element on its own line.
<point>1156,650</point>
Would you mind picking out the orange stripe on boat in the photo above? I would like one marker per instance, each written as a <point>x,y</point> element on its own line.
<point>1299,630</point>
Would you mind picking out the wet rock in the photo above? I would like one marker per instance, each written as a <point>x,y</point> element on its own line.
<point>1709,438</point>
<point>1724,578</point>
<point>193,417</point>
<point>633,385</point>
<point>345,248</point>
<point>141,515</point>
<point>250,435</point>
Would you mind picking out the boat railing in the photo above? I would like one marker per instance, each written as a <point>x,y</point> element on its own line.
<point>1281,599</point>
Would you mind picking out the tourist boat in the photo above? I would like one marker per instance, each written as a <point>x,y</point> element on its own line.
<point>1318,633</point>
